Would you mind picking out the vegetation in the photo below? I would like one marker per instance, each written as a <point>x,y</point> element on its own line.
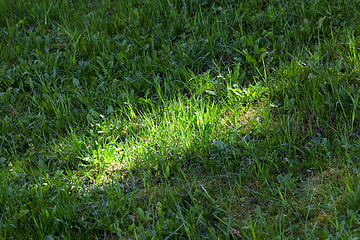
<point>175,119</point>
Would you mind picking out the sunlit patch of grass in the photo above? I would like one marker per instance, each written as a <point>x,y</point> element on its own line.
<point>239,119</point>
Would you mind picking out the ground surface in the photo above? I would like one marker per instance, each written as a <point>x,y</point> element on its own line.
<point>179,119</point>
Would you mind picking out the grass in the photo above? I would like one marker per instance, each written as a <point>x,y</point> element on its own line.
<point>179,119</point>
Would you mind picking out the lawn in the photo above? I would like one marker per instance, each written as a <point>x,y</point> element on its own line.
<point>171,119</point>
